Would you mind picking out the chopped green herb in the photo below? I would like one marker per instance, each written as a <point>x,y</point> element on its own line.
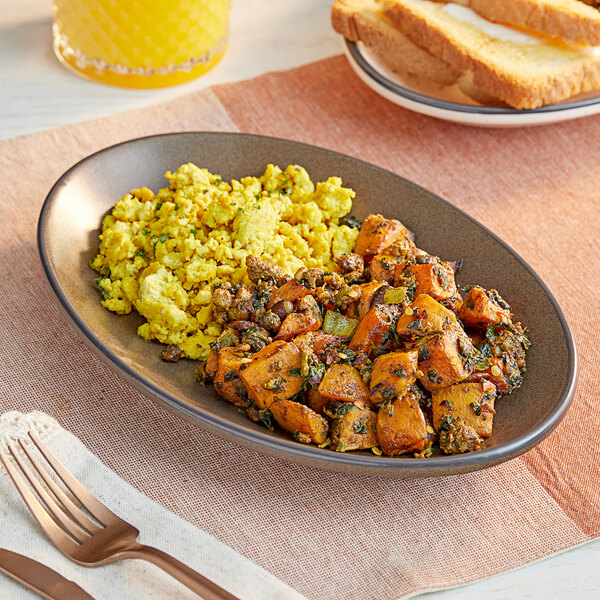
<point>424,353</point>
<point>105,295</point>
<point>159,205</point>
<point>240,211</point>
<point>266,418</point>
<point>193,231</point>
<point>359,427</point>
<point>351,222</point>
<point>387,393</point>
<point>163,238</point>
<point>145,231</point>
<point>476,408</point>
<point>230,376</point>
<point>346,407</point>
<point>141,254</point>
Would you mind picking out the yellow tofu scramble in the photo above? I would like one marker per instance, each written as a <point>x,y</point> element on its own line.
<point>160,254</point>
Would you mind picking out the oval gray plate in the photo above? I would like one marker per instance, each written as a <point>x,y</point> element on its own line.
<point>68,237</point>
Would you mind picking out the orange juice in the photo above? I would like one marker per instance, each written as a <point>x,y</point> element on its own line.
<point>140,43</point>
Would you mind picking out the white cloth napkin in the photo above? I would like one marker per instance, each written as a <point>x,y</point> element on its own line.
<point>133,579</point>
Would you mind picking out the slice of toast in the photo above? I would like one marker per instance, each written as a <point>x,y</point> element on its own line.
<point>521,70</point>
<point>364,21</point>
<point>570,20</point>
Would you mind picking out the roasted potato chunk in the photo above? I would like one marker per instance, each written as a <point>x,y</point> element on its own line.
<point>302,422</point>
<point>227,383</point>
<point>425,316</point>
<point>392,375</point>
<point>378,232</point>
<point>401,426</point>
<point>374,331</point>
<point>212,364</point>
<point>268,375</point>
<point>367,293</point>
<point>436,280</point>
<point>315,401</point>
<point>443,360</point>
<point>351,428</point>
<point>342,382</point>
<point>473,403</point>
<point>297,323</point>
<point>482,307</point>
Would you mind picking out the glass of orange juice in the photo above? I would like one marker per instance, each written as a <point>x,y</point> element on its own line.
<point>140,43</point>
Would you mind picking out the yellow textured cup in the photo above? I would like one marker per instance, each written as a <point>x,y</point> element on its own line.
<point>140,44</point>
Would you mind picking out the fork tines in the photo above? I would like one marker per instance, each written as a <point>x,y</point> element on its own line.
<point>56,513</point>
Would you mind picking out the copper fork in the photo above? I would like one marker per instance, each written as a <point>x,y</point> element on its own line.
<point>75,534</point>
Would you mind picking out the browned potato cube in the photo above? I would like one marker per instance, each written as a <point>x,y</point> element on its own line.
<point>442,360</point>
<point>425,315</point>
<point>351,428</point>
<point>296,324</point>
<point>481,307</point>
<point>302,422</point>
<point>362,306</point>
<point>401,426</point>
<point>472,403</point>
<point>227,383</point>
<point>343,383</point>
<point>373,332</point>
<point>315,401</point>
<point>378,232</point>
<point>437,280</point>
<point>316,342</point>
<point>212,363</point>
<point>268,375</point>
<point>392,375</point>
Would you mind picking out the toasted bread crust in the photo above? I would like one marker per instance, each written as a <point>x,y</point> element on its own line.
<point>362,20</point>
<point>517,91</point>
<point>570,20</point>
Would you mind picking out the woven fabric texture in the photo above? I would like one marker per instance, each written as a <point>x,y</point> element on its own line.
<point>332,536</point>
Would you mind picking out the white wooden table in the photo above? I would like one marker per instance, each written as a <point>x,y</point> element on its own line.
<point>37,93</point>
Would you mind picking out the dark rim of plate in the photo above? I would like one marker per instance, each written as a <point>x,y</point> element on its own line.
<point>399,90</point>
<point>279,444</point>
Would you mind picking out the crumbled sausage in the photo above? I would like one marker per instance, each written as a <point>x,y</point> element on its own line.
<point>351,263</point>
<point>222,298</point>
<point>171,353</point>
<point>312,278</point>
<point>260,269</point>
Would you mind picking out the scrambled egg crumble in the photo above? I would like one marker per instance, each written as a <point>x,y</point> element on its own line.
<point>160,254</point>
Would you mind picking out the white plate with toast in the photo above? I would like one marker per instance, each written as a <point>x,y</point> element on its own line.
<point>451,103</point>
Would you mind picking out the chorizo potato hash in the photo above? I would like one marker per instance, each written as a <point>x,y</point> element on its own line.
<point>344,335</point>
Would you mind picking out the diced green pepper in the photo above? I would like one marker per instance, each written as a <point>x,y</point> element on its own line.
<point>338,324</point>
<point>395,296</point>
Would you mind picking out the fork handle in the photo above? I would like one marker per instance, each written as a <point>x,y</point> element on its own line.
<point>206,589</point>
